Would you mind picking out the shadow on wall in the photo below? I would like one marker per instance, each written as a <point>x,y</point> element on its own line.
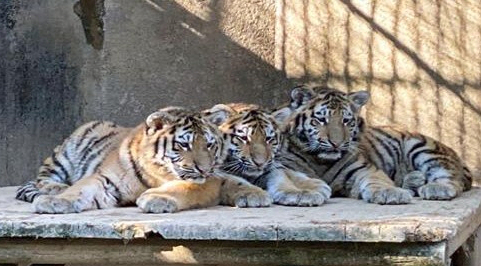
<point>159,53</point>
<point>155,53</point>
<point>421,61</point>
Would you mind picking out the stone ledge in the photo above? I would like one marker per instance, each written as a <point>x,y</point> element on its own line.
<point>340,220</point>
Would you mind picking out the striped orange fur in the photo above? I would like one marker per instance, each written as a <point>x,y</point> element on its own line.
<point>329,139</point>
<point>254,142</point>
<point>166,164</point>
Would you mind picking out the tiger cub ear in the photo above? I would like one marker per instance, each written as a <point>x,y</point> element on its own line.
<point>218,114</point>
<point>300,95</point>
<point>158,119</point>
<point>358,99</point>
<point>281,115</point>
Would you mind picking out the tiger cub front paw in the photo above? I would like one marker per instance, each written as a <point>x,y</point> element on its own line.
<point>155,203</point>
<point>53,204</point>
<point>387,195</point>
<point>437,191</point>
<point>306,198</point>
<point>315,185</point>
<point>251,196</point>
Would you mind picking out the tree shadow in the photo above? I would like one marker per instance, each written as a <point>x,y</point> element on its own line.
<point>154,54</point>
<point>186,60</point>
<point>456,88</point>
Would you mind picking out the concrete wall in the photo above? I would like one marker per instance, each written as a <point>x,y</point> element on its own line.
<point>154,53</point>
<point>421,61</point>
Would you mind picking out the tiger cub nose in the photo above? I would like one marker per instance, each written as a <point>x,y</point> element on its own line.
<point>335,145</point>
<point>203,170</point>
<point>259,161</point>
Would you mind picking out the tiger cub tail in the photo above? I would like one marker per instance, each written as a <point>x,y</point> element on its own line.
<point>28,191</point>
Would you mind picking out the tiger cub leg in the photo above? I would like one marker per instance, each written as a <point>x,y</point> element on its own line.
<point>443,172</point>
<point>51,180</point>
<point>32,189</point>
<point>284,191</point>
<point>374,186</point>
<point>238,192</point>
<point>50,187</point>
<point>413,180</point>
<point>180,195</point>
<point>92,192</point>
<point>442,188</point>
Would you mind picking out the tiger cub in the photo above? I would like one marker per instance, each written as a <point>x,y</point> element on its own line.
<point>254,142</point>
<point>166,164</point>
<point>378,164</point>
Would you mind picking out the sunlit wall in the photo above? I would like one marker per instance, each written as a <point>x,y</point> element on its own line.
<point>421,61</point>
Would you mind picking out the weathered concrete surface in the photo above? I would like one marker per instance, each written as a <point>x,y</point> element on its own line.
<point>421,61</point>
<point>152,251</point>
<point>341,219</point>
<point>153,53</point>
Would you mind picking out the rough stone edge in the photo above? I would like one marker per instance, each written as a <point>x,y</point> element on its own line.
<point>348,232</point>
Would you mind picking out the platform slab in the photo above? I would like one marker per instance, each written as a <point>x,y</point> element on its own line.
<point>339,220</point>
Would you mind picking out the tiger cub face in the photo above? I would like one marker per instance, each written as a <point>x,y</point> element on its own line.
<point>187,144</point>
<point>326,122</point>
<point>252,138</point>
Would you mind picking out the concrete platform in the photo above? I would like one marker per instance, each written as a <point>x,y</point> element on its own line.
<point>433,230</point>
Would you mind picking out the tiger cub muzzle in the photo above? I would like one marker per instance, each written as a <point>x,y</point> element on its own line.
<point>199,160</point>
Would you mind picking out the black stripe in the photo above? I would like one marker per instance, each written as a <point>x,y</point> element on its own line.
<point>289,149</point>
<point>250,120</point>
<point>381,132</point>
<point>31,197</point>
<point>351,173</point>
<point>416,146</point>
<point>360,125</point>
<point>116,194</point>
<point>156,147</point>
<point>91,157</point>
<point>384,145</point>
<point>113,133</point>
<point>97,203</point>
<point>87,152</point>
<point>415,155</point>
<point>53,172</point>
<point>391,138</point>
<point>88,130</point>
<point>109,182</point>
<point>164,145</point>
<point>376,151</point>
<point>65,154</point>
<point>298,120</point>
<point>389,151</point>
<point>59,165</point>
<point>92,143</point>
<point>439,160</point>
<point>341,168</point>
<point>137,172</point>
